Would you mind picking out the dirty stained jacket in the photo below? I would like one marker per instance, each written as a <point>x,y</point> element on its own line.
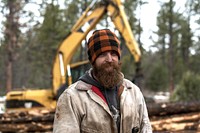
<point>80,110</point>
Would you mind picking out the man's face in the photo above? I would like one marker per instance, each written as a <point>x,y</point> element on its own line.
<point>107,69</point>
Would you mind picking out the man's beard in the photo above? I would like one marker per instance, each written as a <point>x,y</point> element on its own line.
<point>108,78</point>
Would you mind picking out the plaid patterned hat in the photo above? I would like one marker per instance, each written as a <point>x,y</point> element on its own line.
<point>102,41</point>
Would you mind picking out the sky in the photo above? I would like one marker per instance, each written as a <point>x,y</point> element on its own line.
<point>147,14</point>
<point>148,21</point>
<point>148,17</point>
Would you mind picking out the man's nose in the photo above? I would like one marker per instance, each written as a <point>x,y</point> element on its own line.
<point>109,57</point>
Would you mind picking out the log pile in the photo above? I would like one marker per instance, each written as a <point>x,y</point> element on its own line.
<point>165,117</point>
<point>175,117</point>
<point>27,121</point>
<point>187,122</point>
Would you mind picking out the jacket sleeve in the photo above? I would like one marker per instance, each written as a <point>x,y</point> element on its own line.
<point>66,117</point>
<point>145,125</point>
<point>145,122</point>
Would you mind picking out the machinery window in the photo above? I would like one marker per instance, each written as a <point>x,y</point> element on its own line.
<point>22,104</point>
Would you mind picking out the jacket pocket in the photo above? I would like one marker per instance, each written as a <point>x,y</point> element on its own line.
<point>89,130</point>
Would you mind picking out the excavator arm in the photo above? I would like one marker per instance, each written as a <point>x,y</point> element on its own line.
<point>87,22</point>
<point>120,20</point>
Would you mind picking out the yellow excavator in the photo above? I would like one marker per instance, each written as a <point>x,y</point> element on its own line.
<point>61,74</point>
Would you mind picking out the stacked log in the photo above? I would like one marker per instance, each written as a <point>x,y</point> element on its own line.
<point>165,117</point>
<point>27,121</point>
<point>163,109</point>
<point>175,117</point>
<point>187,122</point>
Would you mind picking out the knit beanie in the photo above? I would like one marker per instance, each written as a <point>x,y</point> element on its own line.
<point>102,41</point>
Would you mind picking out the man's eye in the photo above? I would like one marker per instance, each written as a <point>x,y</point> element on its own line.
<point>114,54</point>
<point>102,54</point>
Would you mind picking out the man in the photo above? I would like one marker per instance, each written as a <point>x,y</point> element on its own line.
<point>102,101</point>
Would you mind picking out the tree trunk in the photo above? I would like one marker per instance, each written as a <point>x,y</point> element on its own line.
<point>9,76</point>
<point>164,109</point>
<point>11,35</point>
<point>171,49</point>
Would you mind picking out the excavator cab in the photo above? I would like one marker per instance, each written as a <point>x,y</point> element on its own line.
<point>77,70</point>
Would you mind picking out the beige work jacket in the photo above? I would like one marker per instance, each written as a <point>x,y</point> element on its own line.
<point>80,110</point>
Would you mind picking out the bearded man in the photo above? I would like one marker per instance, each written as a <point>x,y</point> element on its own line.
<point>102,100</point>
